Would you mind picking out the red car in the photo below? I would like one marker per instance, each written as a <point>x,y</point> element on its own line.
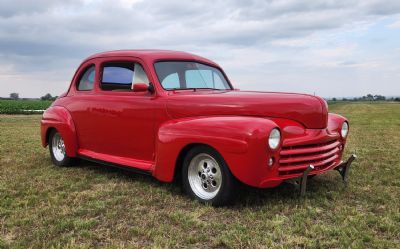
<point>176,115</point>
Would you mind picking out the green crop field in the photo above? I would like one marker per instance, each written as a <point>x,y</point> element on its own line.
<point>23,106</point>
<point>91,205</point>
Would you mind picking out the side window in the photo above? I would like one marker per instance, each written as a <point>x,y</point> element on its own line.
<point>171,81</point>
<point>120,76</point>
<point>117,76</point>
<point>86,81</point>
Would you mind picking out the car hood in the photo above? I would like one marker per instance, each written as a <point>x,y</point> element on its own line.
<point>308,110</point>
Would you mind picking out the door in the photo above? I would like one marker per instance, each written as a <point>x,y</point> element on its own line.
<point>81,97</point>
<point>123,119</point>
<point>113,122</point>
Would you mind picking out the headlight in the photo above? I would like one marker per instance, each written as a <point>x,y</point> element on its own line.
<point>345,129</point>
<point>274,138</point>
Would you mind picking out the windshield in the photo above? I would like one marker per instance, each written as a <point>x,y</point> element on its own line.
<point>175,75</point>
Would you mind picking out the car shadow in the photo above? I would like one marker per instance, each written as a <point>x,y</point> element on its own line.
<point>322,186</point>
<point>112,171</point>
<point>246,196</point>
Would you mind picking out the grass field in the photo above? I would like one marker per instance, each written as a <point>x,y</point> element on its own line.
<point>92,205</point>
<point>23,106</point>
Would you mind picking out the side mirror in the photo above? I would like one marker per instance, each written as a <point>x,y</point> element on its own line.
<point>140,87</point>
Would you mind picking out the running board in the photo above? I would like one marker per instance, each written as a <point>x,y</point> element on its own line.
<point>116,160</point>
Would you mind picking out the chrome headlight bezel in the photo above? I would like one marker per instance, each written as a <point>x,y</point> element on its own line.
<point>344,131</point>
<point>274,139</point>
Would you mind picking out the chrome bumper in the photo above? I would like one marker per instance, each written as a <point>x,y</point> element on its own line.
<point>300,182</point>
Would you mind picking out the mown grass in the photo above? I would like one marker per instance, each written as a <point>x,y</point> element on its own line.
<point>23,106</point>
<point>96,206</point>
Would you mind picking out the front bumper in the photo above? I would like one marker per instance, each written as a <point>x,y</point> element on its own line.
<point>301,181</point>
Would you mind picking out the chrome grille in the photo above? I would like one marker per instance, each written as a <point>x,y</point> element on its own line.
<point>295,159</point>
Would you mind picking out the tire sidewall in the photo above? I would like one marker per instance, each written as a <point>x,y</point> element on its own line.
<point>66,161</point>
<point>226,191</point>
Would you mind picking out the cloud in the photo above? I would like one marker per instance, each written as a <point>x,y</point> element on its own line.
<point>395,25</point>
<point>10,8</point>
<point>44,41</point>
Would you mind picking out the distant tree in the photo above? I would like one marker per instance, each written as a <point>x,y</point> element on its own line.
<point>370,97</point>
<point>14,96</point>
<point>47,97</point>
<point>344,99</point>
<point>379,98</point>
<point>334,99</point>
<point>397,99</point>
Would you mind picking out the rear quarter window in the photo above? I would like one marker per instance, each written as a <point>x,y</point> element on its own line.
<point>86,81</point>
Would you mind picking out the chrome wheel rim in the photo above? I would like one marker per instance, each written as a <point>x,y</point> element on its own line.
<point>58,147</point>
<point>204,176</point>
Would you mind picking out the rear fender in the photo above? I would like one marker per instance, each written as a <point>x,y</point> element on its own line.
<point>242,142</point>
<point>59,118</point>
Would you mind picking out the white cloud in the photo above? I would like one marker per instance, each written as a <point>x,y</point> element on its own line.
<point>344,51</point>
<point>395,25</point>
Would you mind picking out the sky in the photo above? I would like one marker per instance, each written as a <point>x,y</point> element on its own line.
<point>327,48</point>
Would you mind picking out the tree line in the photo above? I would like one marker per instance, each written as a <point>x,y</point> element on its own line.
<point>47,96</point>
<point>369,97</point>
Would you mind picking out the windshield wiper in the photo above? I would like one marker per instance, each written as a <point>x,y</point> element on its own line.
<point>195,88</point>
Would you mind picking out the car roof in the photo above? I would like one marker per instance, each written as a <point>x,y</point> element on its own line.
<point>153,55</point>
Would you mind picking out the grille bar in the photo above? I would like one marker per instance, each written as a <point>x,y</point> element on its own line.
<point>304,158</point>
<point>315,148</point>
<point>305,165</point>
<point>295,159</point>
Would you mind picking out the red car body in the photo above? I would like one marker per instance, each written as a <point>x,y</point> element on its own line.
<point>152,130</point>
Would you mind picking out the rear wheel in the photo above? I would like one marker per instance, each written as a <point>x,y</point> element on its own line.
<point>57,150</point>
<point>206,177</point>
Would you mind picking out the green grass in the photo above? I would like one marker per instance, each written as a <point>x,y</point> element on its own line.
<point>23,106</point>
<point>96,206</point>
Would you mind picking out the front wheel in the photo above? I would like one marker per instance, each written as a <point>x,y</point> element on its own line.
<point>57,150</point>
<point>207,178</point>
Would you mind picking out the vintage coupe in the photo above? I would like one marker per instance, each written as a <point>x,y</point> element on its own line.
<point>175,115</point>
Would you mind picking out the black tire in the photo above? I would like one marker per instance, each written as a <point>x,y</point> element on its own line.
<point>227,187</point>
<point>66,160</point>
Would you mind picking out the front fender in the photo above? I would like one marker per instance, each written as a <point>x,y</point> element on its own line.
<point>335,122</point>
<point>241,140</point>
<point>59,118</point>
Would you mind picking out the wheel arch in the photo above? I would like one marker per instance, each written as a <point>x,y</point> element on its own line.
<point>48,132</point>
<point>182,154</point>
<point>58,118</point>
